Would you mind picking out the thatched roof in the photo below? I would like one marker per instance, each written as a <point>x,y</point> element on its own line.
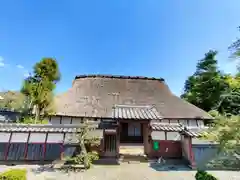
<point>96,96</point>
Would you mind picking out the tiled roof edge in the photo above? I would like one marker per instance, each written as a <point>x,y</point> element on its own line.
<point>3,125</point>
<point>118,77</point>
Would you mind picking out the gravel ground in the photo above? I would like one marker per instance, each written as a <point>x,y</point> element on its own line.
<point>119,172</point>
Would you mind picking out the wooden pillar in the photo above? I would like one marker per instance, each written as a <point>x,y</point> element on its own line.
<point>62,147</point>
<point>117,141</point>
<point>145,138</point>
<point>8,146</point>
<point>192,161</point>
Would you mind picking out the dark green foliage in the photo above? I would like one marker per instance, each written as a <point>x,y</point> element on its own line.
<point>203,175</point>
<point>39,87</point>
<point>14,174</point>
<point>206,85</point>
<point>210,89</point>
<point>86,142</point>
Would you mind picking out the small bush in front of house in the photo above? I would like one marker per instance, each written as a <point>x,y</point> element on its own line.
<point>14,174</point>
<point>203,175</point>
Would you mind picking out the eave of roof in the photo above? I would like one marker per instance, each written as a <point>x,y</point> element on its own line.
<point>117,77</point>
<point>167,127</point>
<point>44,127</point>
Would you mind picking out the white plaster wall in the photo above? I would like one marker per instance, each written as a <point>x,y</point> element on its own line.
<point>76,120</point>
<point>192,123</point>
<point>67,120</point>
<point>55,120</point>
<point>174,136</point>
<point>160,135</point>
<point>183,121</point>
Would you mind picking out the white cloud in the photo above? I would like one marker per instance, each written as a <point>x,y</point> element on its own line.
<point>2,64</point>
<point>20,66</point>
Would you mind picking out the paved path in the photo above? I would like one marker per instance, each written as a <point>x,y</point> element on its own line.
<point>120,172</point>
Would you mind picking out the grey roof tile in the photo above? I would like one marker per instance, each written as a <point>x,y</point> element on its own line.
<point>43,128</point>
<point>195,132</point>
<point>166,127</point>
<point>135,112</point>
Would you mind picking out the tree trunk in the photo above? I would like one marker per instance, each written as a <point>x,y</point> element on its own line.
<point>36,113</point>
<point>85,156</point>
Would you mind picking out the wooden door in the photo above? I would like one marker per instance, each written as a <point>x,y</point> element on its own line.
<point>110,144</point>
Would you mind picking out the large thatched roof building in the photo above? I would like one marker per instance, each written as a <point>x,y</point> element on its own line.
<point>96,96</point>
<point>131,115</point>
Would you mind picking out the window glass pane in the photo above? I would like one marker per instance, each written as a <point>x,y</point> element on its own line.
<point>4,137</point>
<point>2,150</point>
<point>55,138</point>
<point>134,129</point>
<point>71,151</point>
<point>16,151</point>
<point>130,130</point>
<point>137,131</point>
<point>35,152</point>
<point>37,138</point>
<point>19,137</point>
<point>53,151</point>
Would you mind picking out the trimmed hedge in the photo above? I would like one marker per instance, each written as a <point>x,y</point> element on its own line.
<point>14,174</point>
<point>203,175</point>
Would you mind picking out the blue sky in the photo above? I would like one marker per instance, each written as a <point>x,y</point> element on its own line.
<point>160,38</point>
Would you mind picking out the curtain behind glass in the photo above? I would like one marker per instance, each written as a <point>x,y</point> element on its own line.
<point>2,150</point>
<point>16,151</point>
<point>53,151</point>
<point>35,152</point>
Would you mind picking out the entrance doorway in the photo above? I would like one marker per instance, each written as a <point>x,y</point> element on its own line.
<point>131,133</point>
<point>110,144</point>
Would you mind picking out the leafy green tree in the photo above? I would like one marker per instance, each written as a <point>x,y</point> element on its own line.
<point>226,132</point>
<point>230,99</point>
<point>39,87</point>
<point>206,85</point>
<point>86,141</point>
<point>234,49</point>
<point>12,100</point>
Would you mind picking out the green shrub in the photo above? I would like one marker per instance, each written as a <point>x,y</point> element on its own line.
<point>203,175</point>
<point>14,174</point>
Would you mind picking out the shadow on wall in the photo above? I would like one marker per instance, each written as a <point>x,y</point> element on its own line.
<point>207,158</point>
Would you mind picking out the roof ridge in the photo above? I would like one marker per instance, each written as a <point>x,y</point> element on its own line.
<point>117,77</point>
